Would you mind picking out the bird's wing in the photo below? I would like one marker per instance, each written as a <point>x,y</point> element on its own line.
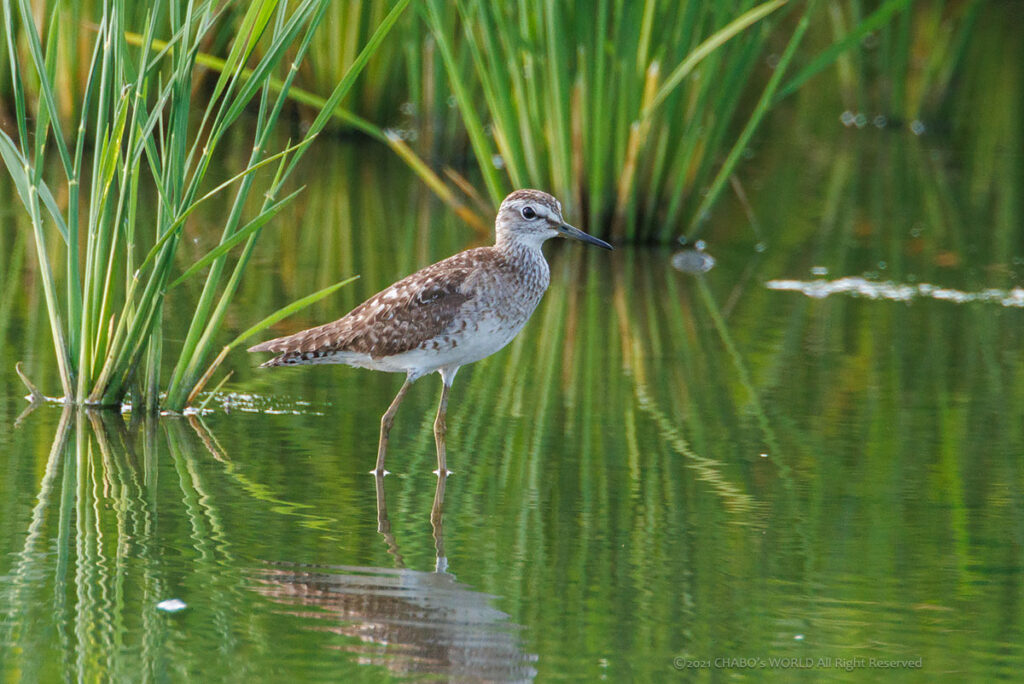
<point>412,311</point>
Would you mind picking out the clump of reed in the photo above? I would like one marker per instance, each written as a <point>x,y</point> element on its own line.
<point>107,264</point>
<point>638,113</point>
<point>345,28</point>
<point>623,109</point>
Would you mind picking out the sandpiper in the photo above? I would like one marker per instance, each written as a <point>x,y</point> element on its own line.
<point>446,315</point>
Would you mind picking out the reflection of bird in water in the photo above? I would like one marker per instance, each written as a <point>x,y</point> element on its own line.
<point>446,315</point>
<point>411,622</point>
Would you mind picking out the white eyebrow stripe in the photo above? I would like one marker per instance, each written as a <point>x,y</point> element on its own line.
<point>545,212</point>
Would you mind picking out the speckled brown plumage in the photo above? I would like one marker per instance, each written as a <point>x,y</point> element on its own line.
<point>411,314</point>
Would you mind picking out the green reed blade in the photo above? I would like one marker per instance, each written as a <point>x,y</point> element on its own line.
<point>712,43</point>
<point>880,17</point>
<point>495,90</point>
<point>286,311</point>
<point>20,169</point>
<point>14,63</point>
<point>198,347</point>
<point>242,234</point>
<point>558,117</point>
<point>174,228</point>
<point>207,317</point>
<point>697,223</point>
<point>29,194</point>
<point>474,127</point>
<point>120,326</point>
<point>28,27</point>
<point>253,24</point>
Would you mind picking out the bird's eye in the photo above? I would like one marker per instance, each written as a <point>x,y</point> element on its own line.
<point>528,213</point>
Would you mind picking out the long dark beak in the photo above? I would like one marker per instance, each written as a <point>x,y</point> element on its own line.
<point>575,233</point>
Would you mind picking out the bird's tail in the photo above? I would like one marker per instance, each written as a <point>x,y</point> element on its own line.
<point>300,358</point>
<point>278,345</point>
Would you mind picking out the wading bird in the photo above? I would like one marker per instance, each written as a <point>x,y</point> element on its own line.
<point>446,315</point>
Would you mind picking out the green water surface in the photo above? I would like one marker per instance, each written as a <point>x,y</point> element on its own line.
<point>665,476</point>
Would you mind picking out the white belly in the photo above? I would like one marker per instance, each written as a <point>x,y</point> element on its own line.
<point>477,341</point>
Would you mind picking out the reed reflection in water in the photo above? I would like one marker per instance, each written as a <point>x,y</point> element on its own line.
<point>91,572</point>
<point>110,542</point>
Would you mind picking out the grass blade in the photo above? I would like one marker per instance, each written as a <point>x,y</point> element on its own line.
<point>227,245</point>
<point>876,20</point>
<point>286,311</point>
<point>713,42</point>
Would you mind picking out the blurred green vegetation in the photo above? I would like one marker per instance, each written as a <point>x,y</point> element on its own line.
<point>557,95</point>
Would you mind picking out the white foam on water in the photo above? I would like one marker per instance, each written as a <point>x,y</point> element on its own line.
<point>856,286</point>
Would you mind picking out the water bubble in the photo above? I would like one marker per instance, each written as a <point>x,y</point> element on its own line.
<point>171,605</point>
<point>880,121</point>
<point>882,265</point>
<point>748,153</point>
<point>407,108</point>
<point>846,118</point>
<point>498,161</point>
<point>916,127</point>
<point>760,247</point>
<point>699,245</point>
<point>772,61</point>
<point>764,455</point>
<point>451,101</point>
<point>692,261</point>
<point>798,637</point>
<point>819,270</point>
<point>917,231</point>
<point>860,121</point>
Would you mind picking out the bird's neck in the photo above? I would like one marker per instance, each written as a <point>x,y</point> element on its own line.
<point>516,242</point>
<point>525,257</point>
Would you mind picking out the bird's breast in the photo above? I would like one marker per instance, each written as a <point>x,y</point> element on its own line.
<point>499,303</point>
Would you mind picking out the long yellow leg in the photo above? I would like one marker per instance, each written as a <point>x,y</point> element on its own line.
<point>441,421</point>
<point>386,422</point>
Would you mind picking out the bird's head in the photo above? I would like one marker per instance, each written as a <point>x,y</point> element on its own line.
<point>530,217</point>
